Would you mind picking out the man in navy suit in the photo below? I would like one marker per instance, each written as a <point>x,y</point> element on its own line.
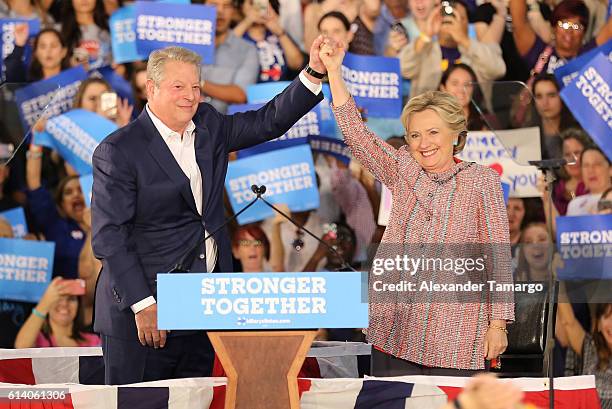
<point>158,187</point>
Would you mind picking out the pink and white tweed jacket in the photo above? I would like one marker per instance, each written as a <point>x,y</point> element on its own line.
<point>462,205</point>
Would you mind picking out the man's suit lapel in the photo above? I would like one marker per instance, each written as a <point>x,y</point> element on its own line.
<point>203,151</point>
<point>164,158</point>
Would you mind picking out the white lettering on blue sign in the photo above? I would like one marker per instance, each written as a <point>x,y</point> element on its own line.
<point>69,134</point>
<point>277,180</point>
<point>595,88</point>
<point>58,101</point>
<point>23,268</point>
<point>371,84</point>
<point>291,286</point>
<point>174,29</point>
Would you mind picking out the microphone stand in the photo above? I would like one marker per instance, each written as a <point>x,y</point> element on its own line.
<point>183,266</point>
<point>548,167</point>
<point>262,189</point>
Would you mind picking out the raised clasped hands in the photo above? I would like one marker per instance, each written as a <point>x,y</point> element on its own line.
<point>331,53</point>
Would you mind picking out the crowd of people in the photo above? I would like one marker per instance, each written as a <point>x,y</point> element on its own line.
<point>441,46</point>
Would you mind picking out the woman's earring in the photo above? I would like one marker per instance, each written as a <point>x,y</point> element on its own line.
<point>455,142</point>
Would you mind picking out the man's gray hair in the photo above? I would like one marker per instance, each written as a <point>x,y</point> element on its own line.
<point>158,59</point>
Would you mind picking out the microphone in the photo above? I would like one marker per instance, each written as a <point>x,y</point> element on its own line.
<point>551,163</point>
<point>183,266</point>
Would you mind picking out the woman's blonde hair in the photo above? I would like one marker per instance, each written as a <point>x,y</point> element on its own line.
<point>446,106</point>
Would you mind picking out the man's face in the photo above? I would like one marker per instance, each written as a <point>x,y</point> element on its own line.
<point>225,8</point>
<point>175,99</point>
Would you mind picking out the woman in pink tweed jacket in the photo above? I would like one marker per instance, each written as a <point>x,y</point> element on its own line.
<point>439,204</point>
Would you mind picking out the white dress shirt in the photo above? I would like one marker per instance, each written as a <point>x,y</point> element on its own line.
<point>183,150</point>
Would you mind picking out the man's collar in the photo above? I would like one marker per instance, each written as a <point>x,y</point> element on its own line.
<point>163,129</point>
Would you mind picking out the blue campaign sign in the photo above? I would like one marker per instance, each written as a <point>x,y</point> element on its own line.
<point>375,83</point>
<point>567,72</point>
<point>262,93</point>
<point>25,269</point>
<point>585,245</point>
<point>123,35</point>
<point>17,220</point>
<point>7,39</point>
<point>192,26</point>
<point>53,96</point>
<point>309,124</point>
<point>331,146</point>
<point>75,135</point>
<point>249,301</point>
<point>86,182</point>
<point>589,99</point>
<point>288,174</point>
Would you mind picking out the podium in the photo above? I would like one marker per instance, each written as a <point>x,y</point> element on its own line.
<point>262,367</point>
<point>262,324</point>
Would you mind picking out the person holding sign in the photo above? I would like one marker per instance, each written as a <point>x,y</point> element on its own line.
<point>438,199</point>
<point>157,191</point>
<point>48,59</point>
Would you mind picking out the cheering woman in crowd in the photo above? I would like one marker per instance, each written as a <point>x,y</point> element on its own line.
<point>439,200</point>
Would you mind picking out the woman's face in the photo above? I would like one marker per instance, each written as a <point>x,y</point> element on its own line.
<point>49,51</point>
<point>568,36</point>
<point>421,9</point>
<point>250,252</point>
<point>604,325</point>
<point>430,141</point>
<point>459,84</point>
<point>547,100</point>
<point>73,202</point>
<point>333,28</point>
<point>572,149</point>
<point>64,312</point>
<point>91,97</point>
<point>596,171</point>
<point>84,6</point>
<point>516,213</point>
<point>535,247</point>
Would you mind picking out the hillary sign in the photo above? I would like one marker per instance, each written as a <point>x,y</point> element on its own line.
<point>507,152</point>
<point>7,38</point>
<point>25,269</point>
<point>51,96</point>
<point>309,124</point>
<point>585,245</point>
<point>261,301</point>
<point>289,177</point>
<point>159,25</point>
<point>589,97</point>
<point>375,83</point>
<point>75,135</point>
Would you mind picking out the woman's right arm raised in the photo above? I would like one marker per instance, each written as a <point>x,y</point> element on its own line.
<point>380,158</point>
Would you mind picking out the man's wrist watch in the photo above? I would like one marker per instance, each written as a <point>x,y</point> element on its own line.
<point>314,73</point>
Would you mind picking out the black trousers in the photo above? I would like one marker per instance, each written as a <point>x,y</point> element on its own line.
<point>384,364</point>
<point>184,356</point>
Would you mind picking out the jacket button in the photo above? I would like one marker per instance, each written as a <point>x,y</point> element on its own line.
<point>202,256</point>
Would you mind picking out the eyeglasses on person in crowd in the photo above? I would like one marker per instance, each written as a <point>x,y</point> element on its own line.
<point>568,25</point>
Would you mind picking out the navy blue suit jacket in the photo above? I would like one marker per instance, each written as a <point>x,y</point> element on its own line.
<point>144,217</point>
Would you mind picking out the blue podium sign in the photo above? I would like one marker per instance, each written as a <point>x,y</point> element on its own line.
<point>256,301</point>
